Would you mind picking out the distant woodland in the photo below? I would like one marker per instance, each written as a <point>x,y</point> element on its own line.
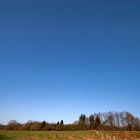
<point>123,121</point>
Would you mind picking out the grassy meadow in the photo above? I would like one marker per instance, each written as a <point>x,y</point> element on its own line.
<point>69,135</point>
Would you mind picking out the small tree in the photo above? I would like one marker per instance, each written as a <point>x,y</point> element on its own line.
<point>82,121</point>
<point>13,125</point>
<point>91,121</point>
<point>62,122</point>
<point>97,122</point>
<point>43,125</point>
<point>60,125</point>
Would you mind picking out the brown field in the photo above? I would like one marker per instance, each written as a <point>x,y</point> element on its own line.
<point>69,135</point>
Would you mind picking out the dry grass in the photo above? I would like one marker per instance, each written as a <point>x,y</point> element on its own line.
<point>70,135</point>
<point>117,136</point>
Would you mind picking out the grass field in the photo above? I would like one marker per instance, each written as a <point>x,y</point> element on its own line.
<point>68,135</point>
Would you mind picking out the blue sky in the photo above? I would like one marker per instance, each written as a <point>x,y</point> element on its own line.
<point>59,59</point>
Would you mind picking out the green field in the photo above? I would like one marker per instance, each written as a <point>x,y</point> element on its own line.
<point>68,135</point>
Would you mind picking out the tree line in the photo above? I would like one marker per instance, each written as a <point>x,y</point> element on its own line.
<point>98,121</point>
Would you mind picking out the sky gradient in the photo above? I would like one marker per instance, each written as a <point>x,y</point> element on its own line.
<point>59,59</point>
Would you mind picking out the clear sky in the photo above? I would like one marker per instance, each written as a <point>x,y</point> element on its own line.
<point>61,58</point>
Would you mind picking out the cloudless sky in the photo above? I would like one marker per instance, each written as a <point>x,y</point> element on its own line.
<point>61,58</point>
